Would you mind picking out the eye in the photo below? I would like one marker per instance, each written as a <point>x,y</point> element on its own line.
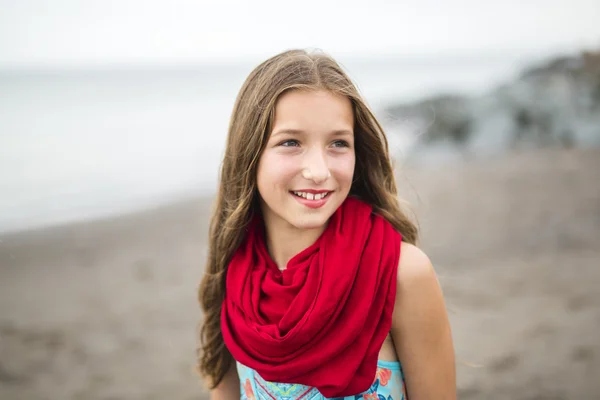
<point>289,143</point>
<point>341,143</point>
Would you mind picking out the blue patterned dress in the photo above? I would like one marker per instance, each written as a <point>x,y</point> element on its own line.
<point>388,384</point>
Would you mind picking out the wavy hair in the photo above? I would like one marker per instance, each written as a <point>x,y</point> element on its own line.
<point>237,197</point>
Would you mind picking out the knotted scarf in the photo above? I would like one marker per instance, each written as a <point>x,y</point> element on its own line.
<point>321,322</point>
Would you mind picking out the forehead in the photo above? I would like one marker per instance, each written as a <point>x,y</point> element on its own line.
<point>314,110</point>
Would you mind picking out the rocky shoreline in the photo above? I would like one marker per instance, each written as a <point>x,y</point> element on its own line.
<point>556,104</point>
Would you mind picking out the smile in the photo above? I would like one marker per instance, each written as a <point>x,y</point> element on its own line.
<point>311,196</point>
<point>311,200</point>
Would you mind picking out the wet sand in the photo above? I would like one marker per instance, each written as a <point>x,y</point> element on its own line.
<point>107,309</point>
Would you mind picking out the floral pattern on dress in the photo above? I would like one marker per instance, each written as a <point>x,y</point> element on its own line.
<point>382,379</point>
<point>384,375</point>
<point>248,390</point>
<point>388,384</point>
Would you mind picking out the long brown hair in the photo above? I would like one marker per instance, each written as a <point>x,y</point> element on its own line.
<point>237,197</point>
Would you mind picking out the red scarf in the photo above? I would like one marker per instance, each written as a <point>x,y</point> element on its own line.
<point>322,321</point>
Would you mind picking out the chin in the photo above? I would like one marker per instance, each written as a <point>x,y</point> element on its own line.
<point>311,219</point>
<point>310,222</point>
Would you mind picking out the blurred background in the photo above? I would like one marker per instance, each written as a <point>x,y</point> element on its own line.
<point>113,118</point>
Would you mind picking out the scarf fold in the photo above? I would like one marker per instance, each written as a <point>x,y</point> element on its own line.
<point>321,322</point>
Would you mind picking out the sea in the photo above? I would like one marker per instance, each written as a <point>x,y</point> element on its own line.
<point>79,144</point>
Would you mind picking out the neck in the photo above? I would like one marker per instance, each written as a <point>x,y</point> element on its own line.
<point>285,241</point>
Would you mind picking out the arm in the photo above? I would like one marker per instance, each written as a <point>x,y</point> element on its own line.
<point>421,330</point>
<point>229,387</point>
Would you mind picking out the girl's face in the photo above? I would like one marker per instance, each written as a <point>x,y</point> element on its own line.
<point>306,169</point>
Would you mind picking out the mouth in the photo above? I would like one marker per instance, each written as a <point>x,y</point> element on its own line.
<point>311,200</point>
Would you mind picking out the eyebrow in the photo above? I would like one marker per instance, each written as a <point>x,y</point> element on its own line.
<point>338,132</point>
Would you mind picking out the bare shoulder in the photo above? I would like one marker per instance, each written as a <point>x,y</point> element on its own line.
<point>414,266</point>
<point>421,329</point>
<point>418,294</point>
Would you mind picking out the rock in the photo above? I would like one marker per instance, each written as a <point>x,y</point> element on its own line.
<point>441,117</point>
<point>556,104</point>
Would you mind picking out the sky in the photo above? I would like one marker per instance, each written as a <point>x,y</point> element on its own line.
<point>81,33</point>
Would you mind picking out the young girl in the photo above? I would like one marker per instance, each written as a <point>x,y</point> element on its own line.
<point>314,287</point>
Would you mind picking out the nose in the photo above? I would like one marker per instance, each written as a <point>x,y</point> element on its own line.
<point>315,167</point>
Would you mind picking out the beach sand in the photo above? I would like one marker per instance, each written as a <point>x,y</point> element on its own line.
<point>108,309</point>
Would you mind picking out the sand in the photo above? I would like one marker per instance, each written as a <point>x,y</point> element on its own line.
<point>107,309</point>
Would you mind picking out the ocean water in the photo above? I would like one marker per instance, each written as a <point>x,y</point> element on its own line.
<point>82,144</point>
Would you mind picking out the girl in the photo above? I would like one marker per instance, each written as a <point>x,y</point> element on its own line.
<point>314,287</point>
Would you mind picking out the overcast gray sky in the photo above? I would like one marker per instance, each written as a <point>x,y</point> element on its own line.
<point>87,33</point>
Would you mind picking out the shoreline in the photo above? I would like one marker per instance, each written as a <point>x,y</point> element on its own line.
<point>122,209</point>
<point>187,198</point>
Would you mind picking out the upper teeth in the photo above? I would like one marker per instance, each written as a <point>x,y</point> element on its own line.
<point>311,196</point>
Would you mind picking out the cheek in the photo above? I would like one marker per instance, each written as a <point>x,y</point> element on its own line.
<point>344,168</point>
<point>274,172</point>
